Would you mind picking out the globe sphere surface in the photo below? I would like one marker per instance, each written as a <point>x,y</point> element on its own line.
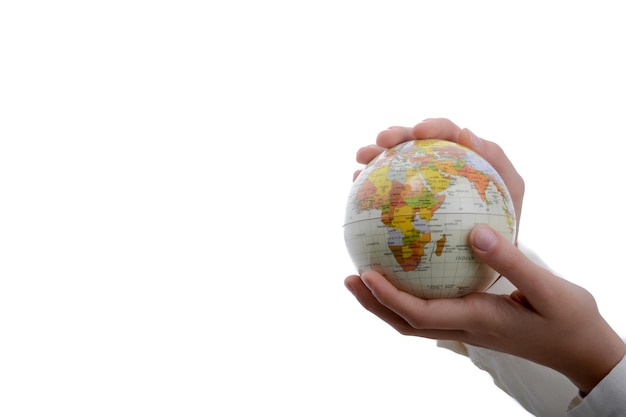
<point>410,211</point>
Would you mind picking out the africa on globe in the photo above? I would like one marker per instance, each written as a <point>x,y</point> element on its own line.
<point>410,212</point>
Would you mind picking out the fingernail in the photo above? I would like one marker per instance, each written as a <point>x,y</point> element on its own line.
<point>484,238</point>
<point>366,280</point>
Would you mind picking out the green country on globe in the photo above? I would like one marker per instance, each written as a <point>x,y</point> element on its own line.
<point>411,209</point>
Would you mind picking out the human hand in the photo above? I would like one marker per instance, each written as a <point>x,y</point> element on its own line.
<point>447,130</point>
<point>548,320</point>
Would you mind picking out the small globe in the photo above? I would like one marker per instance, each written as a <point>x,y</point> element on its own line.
<point>411,209</point>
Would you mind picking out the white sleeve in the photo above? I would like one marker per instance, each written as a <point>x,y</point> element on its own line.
<point>607,399</point>
<point>539,389</point>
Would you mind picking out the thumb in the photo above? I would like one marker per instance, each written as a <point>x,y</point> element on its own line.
<point>500,254</point>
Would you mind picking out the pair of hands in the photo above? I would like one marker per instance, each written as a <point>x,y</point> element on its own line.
<point>547,320</point>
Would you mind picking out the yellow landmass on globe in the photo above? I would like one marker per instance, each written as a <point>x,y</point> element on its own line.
<point>435,180</point>
<point>403,219</point>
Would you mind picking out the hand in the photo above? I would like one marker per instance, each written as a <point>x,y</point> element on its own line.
<point>548,320</point>
<point>446,130</point>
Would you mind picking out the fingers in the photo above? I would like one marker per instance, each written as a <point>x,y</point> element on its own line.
<point>443,314</point>
<point>394,136</point>
<point>436,129</point>
<point>447,130</point>
<point>537,284</point>
<point>367,153</point>
<point>370,302</point>
<point>427,129</point>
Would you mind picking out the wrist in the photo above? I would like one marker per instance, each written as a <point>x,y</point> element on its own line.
<point>597,364</point>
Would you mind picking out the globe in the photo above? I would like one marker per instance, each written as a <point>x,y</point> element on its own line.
<point>411,209</point>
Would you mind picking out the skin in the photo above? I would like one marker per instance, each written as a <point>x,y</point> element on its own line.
<point>547,320</point>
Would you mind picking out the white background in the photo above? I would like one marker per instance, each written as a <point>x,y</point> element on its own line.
<point>173,178</point>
